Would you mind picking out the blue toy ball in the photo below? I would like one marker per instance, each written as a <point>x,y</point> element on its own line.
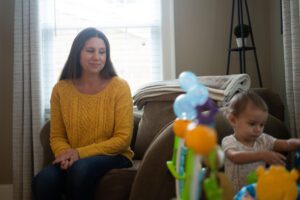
<point>183,108</point>
<point>248,189</point>
<point>198,94</point>
<point>298,198</point>
<point>297,159</point>
<point>187,80</point>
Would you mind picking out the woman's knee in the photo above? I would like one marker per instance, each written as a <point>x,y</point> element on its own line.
<point>48,180</point>
<point>85,172</point>
<point>89,170</point>
<point>49,175</point>
<point>77,173</point>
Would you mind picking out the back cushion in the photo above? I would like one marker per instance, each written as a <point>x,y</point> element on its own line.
<point>272,99</point>
<point>157,114</point>
<point>136,120</point>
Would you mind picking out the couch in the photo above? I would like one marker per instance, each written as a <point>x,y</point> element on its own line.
<point>149,178</point>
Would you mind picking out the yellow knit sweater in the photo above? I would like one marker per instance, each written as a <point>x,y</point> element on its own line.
<point>98,124</point>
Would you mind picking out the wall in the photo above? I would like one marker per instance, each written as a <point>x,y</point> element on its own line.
<point>6,60</point>
<point>201,35</point>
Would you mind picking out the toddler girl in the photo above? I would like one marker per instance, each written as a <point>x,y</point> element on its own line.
<point>248,147</point>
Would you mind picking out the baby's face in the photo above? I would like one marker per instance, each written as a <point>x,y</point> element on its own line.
<point>249,125</point>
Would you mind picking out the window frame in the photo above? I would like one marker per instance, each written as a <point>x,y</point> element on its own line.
<point>168,40</point>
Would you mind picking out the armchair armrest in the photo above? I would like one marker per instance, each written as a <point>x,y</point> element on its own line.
<point>153,179</point>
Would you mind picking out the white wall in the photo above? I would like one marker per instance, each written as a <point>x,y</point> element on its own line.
<point>202,36</point>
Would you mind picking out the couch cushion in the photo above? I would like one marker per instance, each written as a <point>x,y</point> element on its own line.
<point>155,116</point>
<point>116,184</point>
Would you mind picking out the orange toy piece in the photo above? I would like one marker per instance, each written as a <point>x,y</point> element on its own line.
<point>202,139</point>
<point>276,184</point>
<point>180,127</point>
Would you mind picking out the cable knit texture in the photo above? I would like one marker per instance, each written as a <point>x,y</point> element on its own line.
<point>98,124</point>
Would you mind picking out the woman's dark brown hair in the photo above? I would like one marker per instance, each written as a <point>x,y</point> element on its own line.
<point>73,69</point>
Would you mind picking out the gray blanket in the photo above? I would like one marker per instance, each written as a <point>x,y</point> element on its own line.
<point>221,89</point>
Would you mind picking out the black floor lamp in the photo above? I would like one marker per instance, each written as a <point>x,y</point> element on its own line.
<point>240,4</point>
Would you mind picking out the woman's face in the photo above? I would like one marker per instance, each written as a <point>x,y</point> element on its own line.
<point>93,56</point>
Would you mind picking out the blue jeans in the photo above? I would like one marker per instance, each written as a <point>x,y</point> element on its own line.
<point>77,182</point>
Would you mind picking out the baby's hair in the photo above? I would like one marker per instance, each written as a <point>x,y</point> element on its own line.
<point>240,101</point>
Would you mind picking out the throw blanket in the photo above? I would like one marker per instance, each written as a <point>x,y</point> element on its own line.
<point>221,89</point>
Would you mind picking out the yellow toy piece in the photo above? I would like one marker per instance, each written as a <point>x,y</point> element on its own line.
<point>276,184</point>
<point>202,139</point>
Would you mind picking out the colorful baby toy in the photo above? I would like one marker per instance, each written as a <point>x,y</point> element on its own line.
<point>195,143</point>
<point>195,138</point>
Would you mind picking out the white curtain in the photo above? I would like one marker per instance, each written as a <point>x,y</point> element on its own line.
<point>27,102</point>
<point>291,42</point>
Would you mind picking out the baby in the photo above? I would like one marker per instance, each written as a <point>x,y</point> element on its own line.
<point>248,147</point>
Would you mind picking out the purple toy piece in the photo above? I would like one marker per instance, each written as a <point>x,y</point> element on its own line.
<point>206,112</point>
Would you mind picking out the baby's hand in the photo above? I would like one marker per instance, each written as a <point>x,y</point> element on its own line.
<point>273,158</point>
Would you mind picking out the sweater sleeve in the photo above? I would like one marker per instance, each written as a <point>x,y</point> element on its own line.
<point>123,124</point>
<point>58,135</point>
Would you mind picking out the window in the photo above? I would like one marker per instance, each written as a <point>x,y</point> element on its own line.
<point>140,33</point>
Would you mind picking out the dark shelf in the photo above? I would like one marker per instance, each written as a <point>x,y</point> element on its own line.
<point>240,6</point>
<point>242,49</point>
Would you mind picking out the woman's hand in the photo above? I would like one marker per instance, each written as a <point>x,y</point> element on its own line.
<point>273,158</point>
<point>66,158</point>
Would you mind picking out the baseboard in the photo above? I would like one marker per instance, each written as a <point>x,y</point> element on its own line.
<point>6,191</point>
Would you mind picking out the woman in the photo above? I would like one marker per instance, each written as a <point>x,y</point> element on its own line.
<point>91,122</point>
